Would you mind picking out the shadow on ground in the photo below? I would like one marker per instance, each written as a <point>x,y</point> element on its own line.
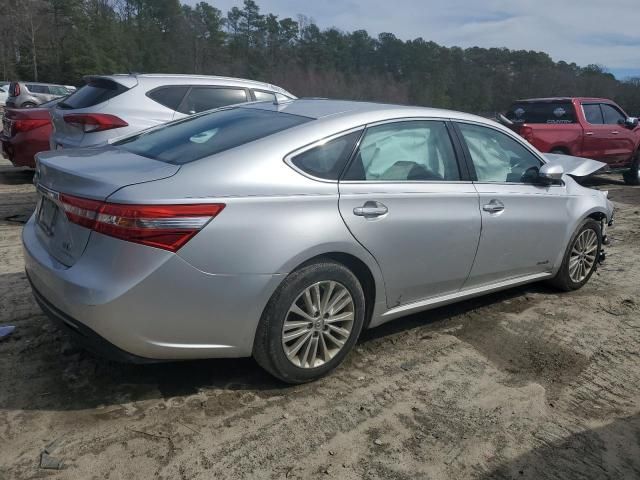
<point>610,452</point>
<point>15,176</point>
<point>65,377</point>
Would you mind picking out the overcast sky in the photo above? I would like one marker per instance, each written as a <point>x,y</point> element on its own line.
<point>606,32</point>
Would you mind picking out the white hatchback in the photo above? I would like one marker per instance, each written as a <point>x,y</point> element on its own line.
<point>112,106</point>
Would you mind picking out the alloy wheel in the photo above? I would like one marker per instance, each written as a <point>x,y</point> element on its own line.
<point>318,324</point>
<point>583,255</point>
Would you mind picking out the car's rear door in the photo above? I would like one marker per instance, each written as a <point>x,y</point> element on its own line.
<point>622,140</point>
<point>406,199</point>
<point>524,224</point>
<point>207,97</point>
<point>596,143</point>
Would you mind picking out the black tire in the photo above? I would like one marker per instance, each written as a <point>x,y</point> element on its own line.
<point>632,176</point>
<point>563,280</point>
<point>28,105</point>
<point>268,349</point>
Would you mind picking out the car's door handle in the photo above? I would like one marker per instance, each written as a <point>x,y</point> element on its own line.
<point>371,209</point>
<point>615,132</point>
<point>588,133</point>
<point>494,206</point>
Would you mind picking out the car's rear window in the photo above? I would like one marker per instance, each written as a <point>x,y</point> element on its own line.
<point>542,112</point>
<point>95,92</point>
<point>204,135</point>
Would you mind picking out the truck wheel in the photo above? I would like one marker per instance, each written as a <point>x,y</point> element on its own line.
<point>632,176</point>
<point>581,258</point>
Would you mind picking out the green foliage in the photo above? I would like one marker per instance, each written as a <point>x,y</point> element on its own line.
<point>63,40</point>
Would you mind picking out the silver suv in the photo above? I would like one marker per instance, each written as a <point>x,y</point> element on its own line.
<point>108,107</point>
<point>32,94</point>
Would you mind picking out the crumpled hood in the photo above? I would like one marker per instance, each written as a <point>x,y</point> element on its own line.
<point>575,166</point>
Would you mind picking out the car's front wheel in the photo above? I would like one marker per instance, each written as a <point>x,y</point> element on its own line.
<point>311,323</point>
<point>581,258</point>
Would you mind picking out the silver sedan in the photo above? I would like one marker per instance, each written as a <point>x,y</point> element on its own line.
<point>281,231</point>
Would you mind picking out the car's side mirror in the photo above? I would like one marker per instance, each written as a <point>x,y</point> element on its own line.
<point>550,173</point>
<point>631,122</point>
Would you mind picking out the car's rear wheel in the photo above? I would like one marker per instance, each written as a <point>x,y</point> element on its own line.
<point>311,323</point>
<point>581,258</point>
<point>28,105</point>
<point>632,176</point>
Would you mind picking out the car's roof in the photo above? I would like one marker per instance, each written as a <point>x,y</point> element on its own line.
<point>153,79</point>
<point>325,108</point>
<point>563,99</point>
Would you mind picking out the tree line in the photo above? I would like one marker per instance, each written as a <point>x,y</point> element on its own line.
<point>62,40</point>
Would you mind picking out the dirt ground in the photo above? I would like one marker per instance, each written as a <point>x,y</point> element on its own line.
<point>524,384</point>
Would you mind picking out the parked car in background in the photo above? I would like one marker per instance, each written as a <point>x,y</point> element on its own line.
<point>594,128</point>
<point>25,132</point>
<point>283,230</point>
<point>114,105</point>
<point>4,94</point>
<point>32,94</point>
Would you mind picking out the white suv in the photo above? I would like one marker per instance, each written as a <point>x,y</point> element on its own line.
<point>111,106</point>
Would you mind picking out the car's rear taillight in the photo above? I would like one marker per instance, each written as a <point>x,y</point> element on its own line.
<point>168,227</point>
<point>24,125</point>
<point>526,133</point>
<point>95,122</point>
<point>16,90</point>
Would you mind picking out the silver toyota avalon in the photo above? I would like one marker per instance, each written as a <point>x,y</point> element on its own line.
<point>281,231</point>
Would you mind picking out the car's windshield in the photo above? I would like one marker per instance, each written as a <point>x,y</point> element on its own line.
<point>200,136</point>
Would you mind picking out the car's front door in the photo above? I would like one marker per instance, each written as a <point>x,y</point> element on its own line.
<point>404,199</point>
<point>524,224</point>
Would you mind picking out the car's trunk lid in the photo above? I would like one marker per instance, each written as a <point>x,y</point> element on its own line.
<point>13,117</point>
<point>87,173</point>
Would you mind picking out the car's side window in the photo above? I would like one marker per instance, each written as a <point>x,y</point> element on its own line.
<point>329,159</point>
<point>56,90</point>
<point>264,96</point>
<point>592,113</point>
<point>612,115</point>
<point>170,97</point>
<point>37,88</point>
<point>497,157</point>
<point>405,151</point>
<point>200,99</point>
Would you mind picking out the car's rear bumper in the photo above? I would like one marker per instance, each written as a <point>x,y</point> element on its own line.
<point>83,335</point>
<point>147,303</point>
<point>21,149</point>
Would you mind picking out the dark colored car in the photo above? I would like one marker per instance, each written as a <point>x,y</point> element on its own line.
<point>594,128</point>
<point>26,131</point>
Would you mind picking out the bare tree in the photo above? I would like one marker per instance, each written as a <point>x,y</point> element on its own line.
<point>28,17</point>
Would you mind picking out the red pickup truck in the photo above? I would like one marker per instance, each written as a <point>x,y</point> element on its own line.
<point>593,128</point>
